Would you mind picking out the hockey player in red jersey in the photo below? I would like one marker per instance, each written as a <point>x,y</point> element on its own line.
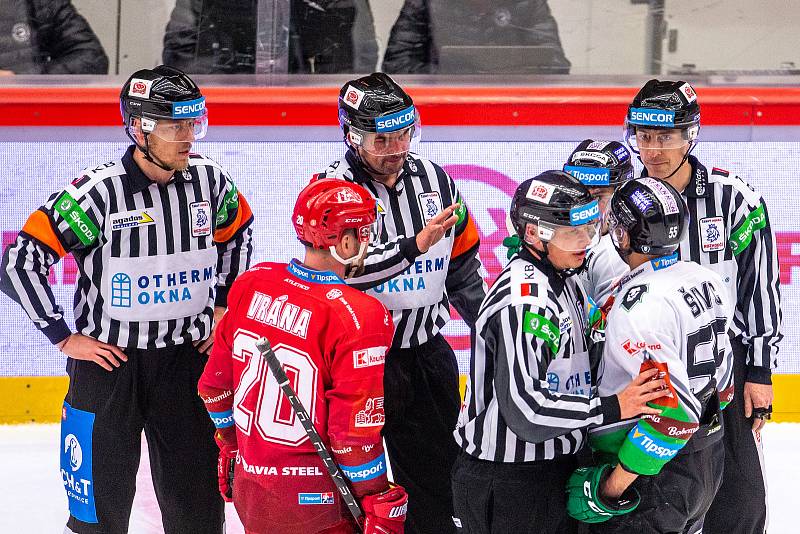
<point>331,340</point>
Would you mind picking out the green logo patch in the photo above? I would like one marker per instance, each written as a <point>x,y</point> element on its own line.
<point>741,237</point>
<point>461,212</point>
<point>229,204</point>
<point>76,218</point>
<point>543,328</point>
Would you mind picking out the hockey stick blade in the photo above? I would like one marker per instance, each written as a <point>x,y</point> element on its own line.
<point>265,349</point>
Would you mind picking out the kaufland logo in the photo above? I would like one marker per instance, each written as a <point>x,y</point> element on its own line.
<point>652,117</point>
<point>395,121</point>
<point>588,175</point>
<point>193,108</point>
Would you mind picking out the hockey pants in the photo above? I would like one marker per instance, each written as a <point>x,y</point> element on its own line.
<point>154,391</point>
<point>741,504</point>
<point>675,500</point>
<point>421,403</point>
<point>501,498</point>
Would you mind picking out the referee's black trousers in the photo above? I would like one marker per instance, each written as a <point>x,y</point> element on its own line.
<point>421,403</point>
<point>741,503</point>
<point>519,498</point>
<point>154,391</point>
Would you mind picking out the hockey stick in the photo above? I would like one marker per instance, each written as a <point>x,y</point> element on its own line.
<point>335,473</point>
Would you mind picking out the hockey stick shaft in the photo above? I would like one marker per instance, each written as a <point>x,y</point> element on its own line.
<point>308,425</point>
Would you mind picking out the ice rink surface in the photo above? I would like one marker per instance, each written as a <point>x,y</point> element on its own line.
<point>35,502</point>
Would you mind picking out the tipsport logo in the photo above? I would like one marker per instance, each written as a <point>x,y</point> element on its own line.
<point>589,176</point>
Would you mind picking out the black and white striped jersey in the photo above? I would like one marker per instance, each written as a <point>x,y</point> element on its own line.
<point>529,393</point>
<point>730,233</point>
<point>153,259</point>
<point>418,288</point>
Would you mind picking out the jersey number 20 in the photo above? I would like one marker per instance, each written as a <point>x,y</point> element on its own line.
<point>271,414</point>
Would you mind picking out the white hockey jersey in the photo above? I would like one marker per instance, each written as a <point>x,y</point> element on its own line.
<point>603,268</point>
<point>673,316</point>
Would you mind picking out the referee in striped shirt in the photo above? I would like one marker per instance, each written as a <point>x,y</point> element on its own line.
<point>529,399</point>
<point>159,236</point>
<point>427,258</point>
<point>730,233</point>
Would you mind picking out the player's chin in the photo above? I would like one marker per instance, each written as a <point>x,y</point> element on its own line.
<point>394,162</point>
<point>576,258</point>
<point>181,160</point>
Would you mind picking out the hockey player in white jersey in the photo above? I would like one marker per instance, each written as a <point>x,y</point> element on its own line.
<point>672,316</point>
<point>530,396</point>
<point>602,166</point>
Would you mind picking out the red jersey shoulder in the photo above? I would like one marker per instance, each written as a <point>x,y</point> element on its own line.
<point>357,309</point>
<point>267,295</point>
<point>257,274</point>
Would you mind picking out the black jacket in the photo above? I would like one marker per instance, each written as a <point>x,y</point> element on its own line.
<point>48,37</point>
<point>219,37</point>
<point>425,26</point>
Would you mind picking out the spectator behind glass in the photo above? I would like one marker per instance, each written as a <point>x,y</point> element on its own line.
<point>219,37</point>
<point>47,37</point>
<point>425,26</point>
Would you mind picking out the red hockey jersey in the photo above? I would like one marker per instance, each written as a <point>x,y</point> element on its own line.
<point>331,340</point>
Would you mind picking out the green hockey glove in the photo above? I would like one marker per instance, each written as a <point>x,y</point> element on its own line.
<point>583,496</point>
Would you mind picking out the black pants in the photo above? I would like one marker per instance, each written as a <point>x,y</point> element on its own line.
<point>156,390</point>
<point>421,403</point>
<point>675,500</point>
<point>741,504</point>
<point>503,498</point>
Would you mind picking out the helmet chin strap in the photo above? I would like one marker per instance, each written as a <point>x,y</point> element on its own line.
<point>146,150</point>
<point>351,260</point>
<point>624,254</point>
<point>150,158</point>
<point>564,273</point>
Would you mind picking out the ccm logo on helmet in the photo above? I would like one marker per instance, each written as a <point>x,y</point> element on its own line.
<point>652,117</point>
<point>585,213</point>
<point>193,108</point>
<point>395,121</point>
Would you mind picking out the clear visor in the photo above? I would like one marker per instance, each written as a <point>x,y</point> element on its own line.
<point>603,196</point>
<point>176,130</point>
<point>642,139</point>
<point>569,238</point>
<point>398,142</point>
<point>617,231</point>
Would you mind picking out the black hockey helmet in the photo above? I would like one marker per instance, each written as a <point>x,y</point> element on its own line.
<point>161,93</point>
<point>600,163</point>
<point>555,200</point>
<point>652,213</point>
<point>375,103</point>
<point>663,105</point>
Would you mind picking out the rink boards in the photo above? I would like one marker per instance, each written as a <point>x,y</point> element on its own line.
<point>272,142</point>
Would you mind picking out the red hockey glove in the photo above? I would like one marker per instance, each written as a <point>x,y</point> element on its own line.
<point>225,464</point>
<point>385,512</point>
<point>228,447</point>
